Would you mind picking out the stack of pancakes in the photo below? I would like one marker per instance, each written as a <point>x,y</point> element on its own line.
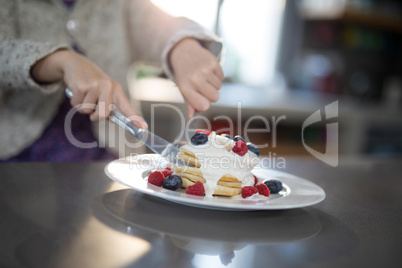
<point>226,186</point>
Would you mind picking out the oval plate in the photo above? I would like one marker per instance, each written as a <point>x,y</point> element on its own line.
<point>297,192</point>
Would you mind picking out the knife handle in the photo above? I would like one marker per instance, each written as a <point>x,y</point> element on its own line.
<point>119,119</point>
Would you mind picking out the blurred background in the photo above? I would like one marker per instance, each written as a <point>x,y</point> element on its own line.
<point>291,58</point>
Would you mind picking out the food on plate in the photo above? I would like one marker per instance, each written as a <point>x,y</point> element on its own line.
<point>239,138</point>
<point>248,191</point>
<point>199,138</point>
<point>255,180</point>
<point>216,165</point>
<point>240,148</point>
<point>275,186</point>
<point>262,189</point>
<point>223,165</point>
<point>172,182</point>
<point>196,189</point>
<point>258,188</point>
<point>156,178</point>
<point>203,131</point>
<point>253,148</point>
<point>167,172</point>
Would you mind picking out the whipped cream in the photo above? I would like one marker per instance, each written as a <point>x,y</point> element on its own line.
<point>217,159</point>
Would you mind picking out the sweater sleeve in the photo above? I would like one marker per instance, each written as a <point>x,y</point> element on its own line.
<point>17,56</point>
<point>153,33</point>
<point>16,60</point>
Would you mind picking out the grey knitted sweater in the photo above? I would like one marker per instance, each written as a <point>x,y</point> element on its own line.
<point>113,34</point>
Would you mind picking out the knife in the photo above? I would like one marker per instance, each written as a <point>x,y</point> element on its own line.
<point>152,141</point>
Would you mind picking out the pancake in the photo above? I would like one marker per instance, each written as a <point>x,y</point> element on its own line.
<point>222,171</point>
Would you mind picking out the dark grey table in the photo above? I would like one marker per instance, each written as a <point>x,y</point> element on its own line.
<point>72,215</point>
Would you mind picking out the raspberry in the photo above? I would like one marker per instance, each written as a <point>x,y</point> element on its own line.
<point>255,180</point>
<point>156,178</point>
<point>262,189</point>
<point>248,191</point>
<point>240,148</point>
<point>166,173</point>
<point>199,138</point>
<point>203,131</point>
<point>196,189</point>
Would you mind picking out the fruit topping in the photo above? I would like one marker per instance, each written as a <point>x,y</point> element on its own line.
<point>253,148</point>
<point>156,178</point>
<point>262,189</point>
<point>166,173</point>
<point>203,131</point>
<point>199,138</point>
<point>240,148</point>
<point>172,182</point>
<point>248,191</point>
<point>239,138</point>
<point>227,136</point>
<point>196,189</point>
<point>274,186</point>
<point>255,180</point>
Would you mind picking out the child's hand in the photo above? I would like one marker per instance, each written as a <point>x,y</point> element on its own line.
<point>198,74</point>
<point>92,89</point>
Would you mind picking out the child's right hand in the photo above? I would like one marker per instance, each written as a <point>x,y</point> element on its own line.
<point>92,89</point>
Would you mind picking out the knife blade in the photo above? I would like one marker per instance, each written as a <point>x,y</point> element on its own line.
<point>154,142</point>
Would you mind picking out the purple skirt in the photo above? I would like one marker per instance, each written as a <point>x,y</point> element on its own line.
<point>54,146</point>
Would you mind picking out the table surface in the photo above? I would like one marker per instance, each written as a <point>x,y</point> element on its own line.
<point>73,215</point>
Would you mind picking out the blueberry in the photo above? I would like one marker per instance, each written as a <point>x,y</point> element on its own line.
<point>227,136</point>
<point>172,182</point>
<point>253,148</point>
<point>239,138</point>
<point>199,138</point>
<point>274,186</point>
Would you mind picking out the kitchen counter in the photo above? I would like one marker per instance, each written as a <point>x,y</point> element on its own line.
<point>73,215</point>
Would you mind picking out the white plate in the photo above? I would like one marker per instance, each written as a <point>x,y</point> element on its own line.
<point>297,192</point>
